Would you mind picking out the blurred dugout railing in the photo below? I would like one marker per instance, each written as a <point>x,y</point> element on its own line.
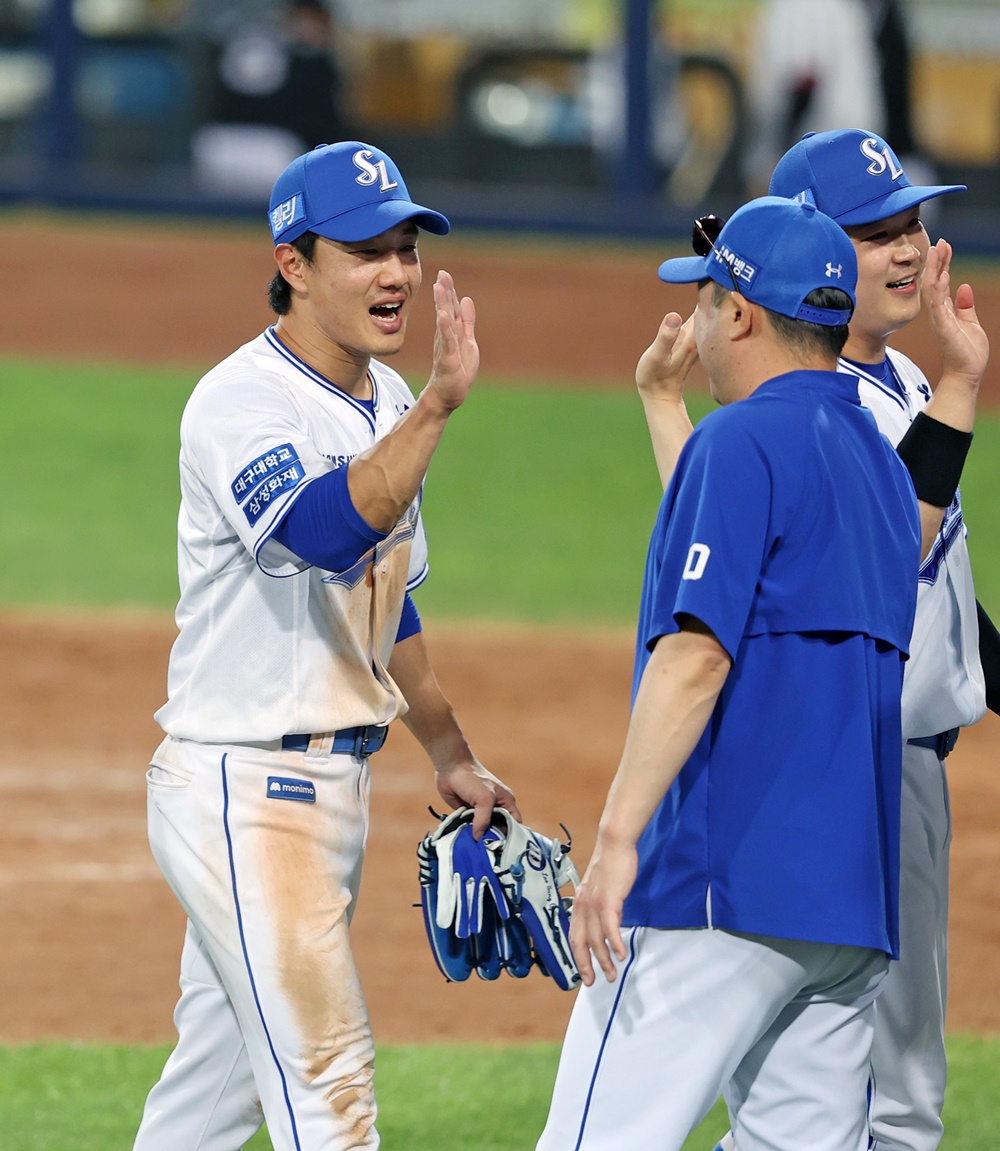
<point>496,114</point>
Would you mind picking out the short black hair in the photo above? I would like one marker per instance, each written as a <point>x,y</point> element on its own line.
<point>802,336</point>
<point>809,338</point>
<point>279,292</point>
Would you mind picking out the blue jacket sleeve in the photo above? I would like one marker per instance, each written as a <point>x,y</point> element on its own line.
<point>323,526</point>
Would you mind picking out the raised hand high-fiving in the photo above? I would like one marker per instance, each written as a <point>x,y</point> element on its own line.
<point>456,353</point>
<point>964,345</point>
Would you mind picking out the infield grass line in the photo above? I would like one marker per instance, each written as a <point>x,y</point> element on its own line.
<point>445,1097</point>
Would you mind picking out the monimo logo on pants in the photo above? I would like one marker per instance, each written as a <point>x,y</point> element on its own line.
<point>278,787</point>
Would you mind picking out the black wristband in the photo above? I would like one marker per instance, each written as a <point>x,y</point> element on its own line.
<point>934,455</point>
<point>989,655</point>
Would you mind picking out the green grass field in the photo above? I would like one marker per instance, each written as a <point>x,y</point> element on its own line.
<point>74,1097</point>
<point>538,507</point>
<point>538,503</point>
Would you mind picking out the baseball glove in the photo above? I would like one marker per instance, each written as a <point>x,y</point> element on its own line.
<point>493,904</point>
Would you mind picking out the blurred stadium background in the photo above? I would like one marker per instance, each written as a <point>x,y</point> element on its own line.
<point>616,116</point>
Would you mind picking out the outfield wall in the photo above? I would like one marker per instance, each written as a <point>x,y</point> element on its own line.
<point>499,113</point>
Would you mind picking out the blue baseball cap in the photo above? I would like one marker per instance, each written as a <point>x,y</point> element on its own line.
<point>851,175</point>
<point>348,191</point>
<point>777,252</point>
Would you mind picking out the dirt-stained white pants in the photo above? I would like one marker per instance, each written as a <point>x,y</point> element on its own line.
<point>782,1028</point>
<point>263,848</point>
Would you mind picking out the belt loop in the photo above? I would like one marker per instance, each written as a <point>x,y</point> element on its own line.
<point>357,741</point>
<point>321,744</point>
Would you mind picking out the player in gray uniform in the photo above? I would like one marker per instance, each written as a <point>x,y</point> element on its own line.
<point>854,177</point>
<point>299,538</point>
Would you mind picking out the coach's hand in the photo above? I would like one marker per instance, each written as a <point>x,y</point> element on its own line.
<point>660,376</point>
<point>595,927</point>
<point>456,353</point>
<point>664,366</point>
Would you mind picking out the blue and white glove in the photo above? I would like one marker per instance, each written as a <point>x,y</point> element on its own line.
<point>467,881</point>
<point>493,904</point>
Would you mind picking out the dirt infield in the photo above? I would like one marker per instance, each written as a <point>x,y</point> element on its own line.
<point>546,311</point>
<point>91,936</point>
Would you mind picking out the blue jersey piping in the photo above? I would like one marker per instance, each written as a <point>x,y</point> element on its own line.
<point>604,1042</point>
<point>952,529</point>
<point>854,369</point>
<point>311,373</point>
<point>246,956</point>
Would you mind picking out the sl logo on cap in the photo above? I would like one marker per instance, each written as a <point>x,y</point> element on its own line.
<point>371,172</point>
<point>881,158</point>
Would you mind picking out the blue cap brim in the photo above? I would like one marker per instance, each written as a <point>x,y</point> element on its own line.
<point>373,219</point>
<point>901,200</point>
<point>686,270</point>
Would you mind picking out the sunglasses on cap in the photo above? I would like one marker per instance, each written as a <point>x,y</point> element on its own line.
<point>706,231</point>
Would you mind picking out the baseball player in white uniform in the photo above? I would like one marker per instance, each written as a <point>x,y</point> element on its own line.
<point>855,177</point>
<point>299,540</point>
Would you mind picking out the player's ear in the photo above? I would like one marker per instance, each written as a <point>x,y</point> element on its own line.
<point>290,262</point>
<point>743,316</point>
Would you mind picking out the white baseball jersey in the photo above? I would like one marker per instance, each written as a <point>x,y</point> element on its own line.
<point>269,645</point>
<point>943,686</point>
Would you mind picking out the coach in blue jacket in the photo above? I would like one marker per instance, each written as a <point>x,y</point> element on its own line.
<point>742,896</point>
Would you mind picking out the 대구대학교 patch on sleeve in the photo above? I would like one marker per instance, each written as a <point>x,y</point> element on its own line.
<point>276,471</point>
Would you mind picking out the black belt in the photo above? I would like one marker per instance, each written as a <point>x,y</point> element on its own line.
<point>942,743</point>
<point>359,741</point>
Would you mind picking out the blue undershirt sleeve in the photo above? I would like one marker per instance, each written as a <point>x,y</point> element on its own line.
<point>323,526</point>
<point>409,621</point>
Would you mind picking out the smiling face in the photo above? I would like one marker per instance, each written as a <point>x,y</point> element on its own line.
<point>891,257</point>
<point>360,293</point>
<point>352,300</point>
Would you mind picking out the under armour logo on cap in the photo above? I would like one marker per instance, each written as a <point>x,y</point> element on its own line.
<point>792,247</point>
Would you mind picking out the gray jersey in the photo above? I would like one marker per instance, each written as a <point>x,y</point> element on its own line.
<point>943,686</point>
